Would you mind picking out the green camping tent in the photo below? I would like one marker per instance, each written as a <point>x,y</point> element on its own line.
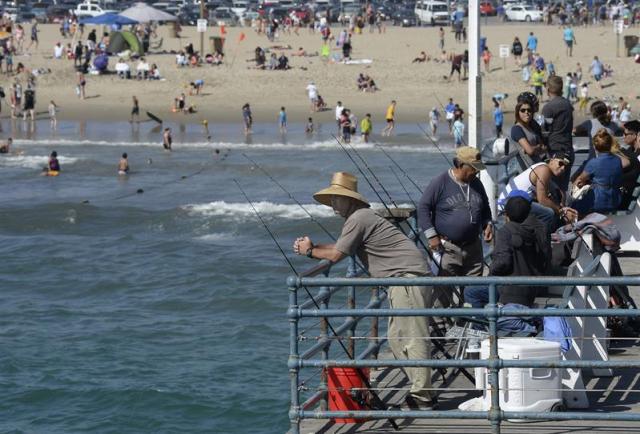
<point>121,41</point>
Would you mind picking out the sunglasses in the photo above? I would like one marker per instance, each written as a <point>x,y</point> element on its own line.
<point>525,110</point>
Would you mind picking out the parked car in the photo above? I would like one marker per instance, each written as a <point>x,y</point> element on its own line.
<point>523,13</point>
<point>55,14</point>
<point>404,17</point>
<point>432,12</point>
<point>350,9</point>
<point>487,8</point>
<point>89,10</point>
<point>188,17</point>
<point>223,16</point>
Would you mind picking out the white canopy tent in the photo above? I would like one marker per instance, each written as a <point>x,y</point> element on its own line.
<point>144,13</point>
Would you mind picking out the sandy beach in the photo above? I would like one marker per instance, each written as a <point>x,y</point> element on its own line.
<point>229,86</point>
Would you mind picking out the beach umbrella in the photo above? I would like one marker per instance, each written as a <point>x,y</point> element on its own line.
<point>144,13</point>
<point>109,19</point>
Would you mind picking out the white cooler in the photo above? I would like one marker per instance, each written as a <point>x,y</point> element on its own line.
<point>523,389</point>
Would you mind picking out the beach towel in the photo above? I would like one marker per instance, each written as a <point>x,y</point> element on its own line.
<point>598,224</point>
<point>358,62</point>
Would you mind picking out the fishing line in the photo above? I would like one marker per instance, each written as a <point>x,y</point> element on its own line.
<point>372,174</point>
<point>436,145</point>
<point>140,190</point>
<point>403,187</point>
<point>326,231</point>
<point>398,166</point>
<point>415,234</point>
<point>377,401</point>
<point>313,219</point>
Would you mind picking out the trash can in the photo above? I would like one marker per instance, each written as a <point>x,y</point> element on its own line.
<point>630,41</point>
<point>217,44</point>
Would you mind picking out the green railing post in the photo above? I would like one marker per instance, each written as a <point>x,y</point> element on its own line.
<point>294,370</point>
<point>494,377</point>
<point>324,332</point>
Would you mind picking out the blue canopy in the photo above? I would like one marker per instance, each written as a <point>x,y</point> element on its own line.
<point>108,19</point>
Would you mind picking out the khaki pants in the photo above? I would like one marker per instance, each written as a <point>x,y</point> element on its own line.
<point>458,261</point>
<point>409,336</point>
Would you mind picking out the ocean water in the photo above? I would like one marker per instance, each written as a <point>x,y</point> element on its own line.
<point>163,310</point>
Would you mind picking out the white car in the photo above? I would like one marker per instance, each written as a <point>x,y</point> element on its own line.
<point>523,13</point>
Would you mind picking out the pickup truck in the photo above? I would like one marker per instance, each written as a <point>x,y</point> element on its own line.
<point>89,10</point>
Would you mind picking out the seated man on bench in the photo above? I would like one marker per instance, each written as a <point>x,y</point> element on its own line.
<point>522,248</point>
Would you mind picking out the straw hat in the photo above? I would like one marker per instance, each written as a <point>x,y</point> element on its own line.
<point>342,184</point>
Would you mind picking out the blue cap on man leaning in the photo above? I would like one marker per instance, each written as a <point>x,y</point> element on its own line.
<point>516,193</point>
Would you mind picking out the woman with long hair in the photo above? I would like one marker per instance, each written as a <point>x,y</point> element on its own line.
<point>604,174</point>
<point>527,132</point>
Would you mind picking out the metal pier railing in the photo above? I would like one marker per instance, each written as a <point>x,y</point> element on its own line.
<point>316,354</point>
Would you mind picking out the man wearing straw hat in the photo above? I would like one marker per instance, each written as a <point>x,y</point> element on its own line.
<point>386,252</point>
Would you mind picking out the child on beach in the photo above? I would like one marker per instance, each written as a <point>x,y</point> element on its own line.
<point>486,58</point>
<point>458,131</point>
<point>434,118</point>
<point>247,118</point>
<point>390,117</point>
<point>366,127</point>
<point>53,108</point>
<point>135,110</point>
<point>167,140</point>
<point>584,97</point>
<point>282,120</point>
<point>498,117</point>
<point>309,128</point>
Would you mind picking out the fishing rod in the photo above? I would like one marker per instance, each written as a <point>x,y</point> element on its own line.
<point>377,145</point>
<point>326,231</point>
<point>376,399</point>
<point>313,219</point>
<point>372,174</point>
<point>436,145</point>
<point>415,234</point>
<point>411,228</point>
<point>403,187</point>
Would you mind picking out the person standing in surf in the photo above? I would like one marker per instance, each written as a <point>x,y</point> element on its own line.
<point>135,110</point>
<point>123,165</point>
<point>247,118</point>
<point>167,140</point>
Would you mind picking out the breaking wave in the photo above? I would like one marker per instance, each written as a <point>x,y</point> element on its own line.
<point>32,161</point>
<point>329,145</point>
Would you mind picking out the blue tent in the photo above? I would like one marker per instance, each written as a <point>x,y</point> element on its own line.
<point>108,19</point>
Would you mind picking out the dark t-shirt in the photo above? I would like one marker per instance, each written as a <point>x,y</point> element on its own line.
<point>453,211</point>
<point>517,133</point>
<point>558,118</point>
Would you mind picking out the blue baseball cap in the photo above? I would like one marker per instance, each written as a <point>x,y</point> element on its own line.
<point>516,193</point>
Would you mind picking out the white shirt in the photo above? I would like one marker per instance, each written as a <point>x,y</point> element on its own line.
<point>57,51</point>
<point>122,67</point>
<point>312,90</point>
<point>625,115</point>
<point>339,109</point>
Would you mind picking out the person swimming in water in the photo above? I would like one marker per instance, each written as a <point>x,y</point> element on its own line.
<point>123,165</point>
<point>5,148</point>
<point>53,168</point>
<point>167,140</point>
